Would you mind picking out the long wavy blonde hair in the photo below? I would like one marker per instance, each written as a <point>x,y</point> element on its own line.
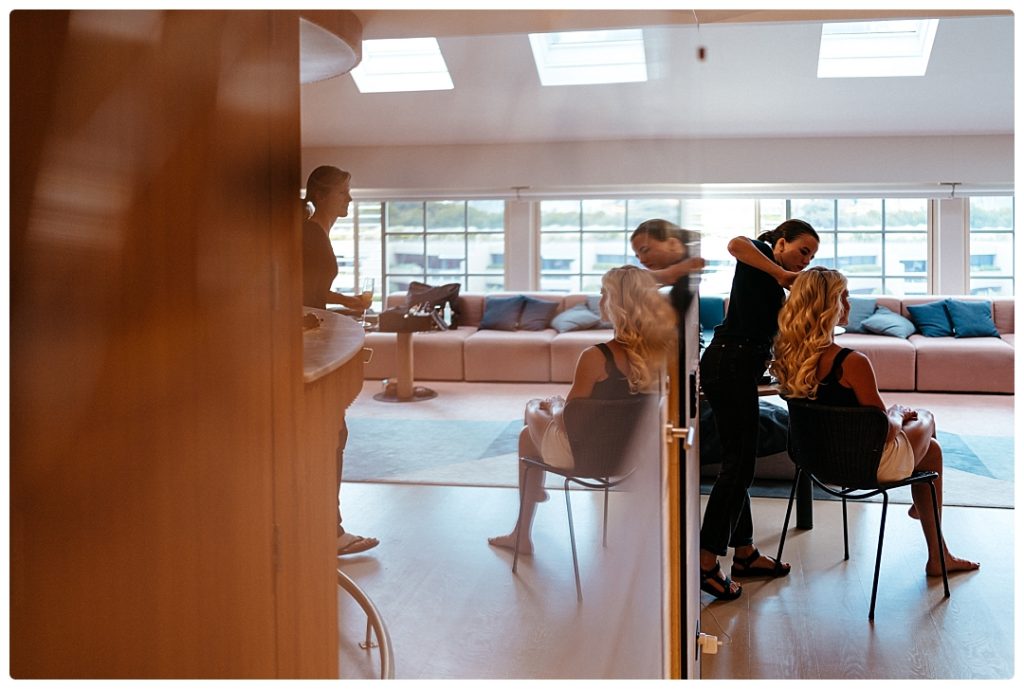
<point>644,321</point>
<point>806,325</point>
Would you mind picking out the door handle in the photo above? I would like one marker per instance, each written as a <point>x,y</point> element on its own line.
<point>686,434</point>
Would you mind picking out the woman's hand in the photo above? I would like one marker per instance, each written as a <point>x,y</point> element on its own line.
<point>552,404</point>
<point>904,414</point>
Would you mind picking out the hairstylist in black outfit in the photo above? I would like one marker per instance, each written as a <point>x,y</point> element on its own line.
<point>730,369</point>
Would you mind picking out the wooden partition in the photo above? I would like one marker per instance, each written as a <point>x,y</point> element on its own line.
<point>157,523</point>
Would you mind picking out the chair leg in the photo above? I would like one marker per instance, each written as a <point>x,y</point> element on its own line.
<point>522,494</point>
<point>572,539</point>
<point>938,534</point>
<point>604,536</point>
<point>878,556</point>
<point>846,534</point>
<point>789,510</point>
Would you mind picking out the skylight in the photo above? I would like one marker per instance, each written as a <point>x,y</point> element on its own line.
<point>589,57</point>
<point>401,64</point>
<point>876,49</point>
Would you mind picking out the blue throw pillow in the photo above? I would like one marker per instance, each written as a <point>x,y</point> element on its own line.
<point>860,308</point>
<point>885,322</point>
<point>502,313</point>
<point>594,304</point>
<point>971,318</point>
<point>932,319</point>
<point>536,313</point>
<point>578,317</point>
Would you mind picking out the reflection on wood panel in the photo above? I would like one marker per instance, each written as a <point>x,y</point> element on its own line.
<point>156,346</point>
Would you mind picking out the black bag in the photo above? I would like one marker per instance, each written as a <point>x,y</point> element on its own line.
<point>401,319</point>
<point>423,297</point>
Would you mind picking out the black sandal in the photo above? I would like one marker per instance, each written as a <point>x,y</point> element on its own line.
<point>746,568</point>
<point>715,575</point>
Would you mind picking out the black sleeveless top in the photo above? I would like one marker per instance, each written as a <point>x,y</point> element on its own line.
<point>754,303</point>
<point>616,385</point>
<point>830,391</point>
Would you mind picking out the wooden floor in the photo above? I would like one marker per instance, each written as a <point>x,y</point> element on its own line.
<point>455,610</point>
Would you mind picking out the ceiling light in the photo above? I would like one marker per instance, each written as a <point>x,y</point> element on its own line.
<point>402,64</point>
<point>876,49</point>
<point>589,57</point>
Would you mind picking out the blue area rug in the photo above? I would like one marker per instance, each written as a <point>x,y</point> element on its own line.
<point>376,451</point>
<point>978,469</point>
<point>977,472</point>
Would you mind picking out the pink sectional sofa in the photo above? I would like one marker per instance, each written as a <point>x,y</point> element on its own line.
<point>470,354</point>
<point>940,364</point>
<point>918,363</point>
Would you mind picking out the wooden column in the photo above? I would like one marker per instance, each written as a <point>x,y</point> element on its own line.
<point>156,350</point>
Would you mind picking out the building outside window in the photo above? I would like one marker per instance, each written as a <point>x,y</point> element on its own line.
<point>882,245</point>
<point>436,242</point>
<point>991,245</point>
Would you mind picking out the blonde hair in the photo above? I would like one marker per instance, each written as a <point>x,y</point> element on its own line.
<point>806,325</point>
<point>644,321</point>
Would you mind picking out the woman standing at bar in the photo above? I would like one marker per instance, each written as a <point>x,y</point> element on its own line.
<point>328,192</point>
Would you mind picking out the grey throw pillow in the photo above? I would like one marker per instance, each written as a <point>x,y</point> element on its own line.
<point>594,304</point>
<point>885,322</point>
<point>860,308</point>
<point>536,313</point>
<point>578,317</point>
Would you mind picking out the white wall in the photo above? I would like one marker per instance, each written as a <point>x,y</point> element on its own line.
<point>786,167</point>
<point>914,163</point>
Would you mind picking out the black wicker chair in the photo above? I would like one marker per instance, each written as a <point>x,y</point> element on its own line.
<point>840,449</point>
<point>600,434</point>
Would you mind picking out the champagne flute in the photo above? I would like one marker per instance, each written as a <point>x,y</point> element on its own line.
<point>366,291</point>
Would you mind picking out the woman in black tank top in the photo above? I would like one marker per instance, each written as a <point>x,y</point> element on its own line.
<point>810,365</point>
<point>630,364</point>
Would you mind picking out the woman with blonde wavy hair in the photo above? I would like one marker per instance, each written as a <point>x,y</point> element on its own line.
<point>629,364</point>
<point>809,364</point>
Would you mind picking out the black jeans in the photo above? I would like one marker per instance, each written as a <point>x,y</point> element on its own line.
<point>729,375</point>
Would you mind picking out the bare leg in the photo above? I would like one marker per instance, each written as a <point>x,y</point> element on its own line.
<point>928,457</point>
<point>531,486</point>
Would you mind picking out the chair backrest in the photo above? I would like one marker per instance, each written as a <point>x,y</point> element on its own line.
<point>604,434</point>
<point>838,445</point>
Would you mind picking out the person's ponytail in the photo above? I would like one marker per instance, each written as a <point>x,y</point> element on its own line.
<point>788,230</point>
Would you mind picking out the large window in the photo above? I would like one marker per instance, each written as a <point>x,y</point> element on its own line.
<point>581,240</point>
<point>398,242</point>
<point>880,244</point>
<point>991,245</point>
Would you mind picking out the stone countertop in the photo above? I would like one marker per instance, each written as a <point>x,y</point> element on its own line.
<point>330,346</point>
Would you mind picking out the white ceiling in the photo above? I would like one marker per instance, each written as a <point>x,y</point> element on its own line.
<point>758,80</point>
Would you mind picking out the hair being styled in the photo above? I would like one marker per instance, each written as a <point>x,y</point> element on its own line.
<point>644,321</point>
<point>321,180</point>
<point>788,230</point>
<point>806,325</point>
<point>662,230</point>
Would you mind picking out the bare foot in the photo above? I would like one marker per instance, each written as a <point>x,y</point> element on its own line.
<point>509,541</point>
<point>953,564</point>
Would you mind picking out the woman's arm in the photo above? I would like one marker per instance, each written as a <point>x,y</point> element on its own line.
<point>743,249</point>
<point>671,274</point>
<point>589,369</point>
<point>860,375</point>
<point>354,303</point>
